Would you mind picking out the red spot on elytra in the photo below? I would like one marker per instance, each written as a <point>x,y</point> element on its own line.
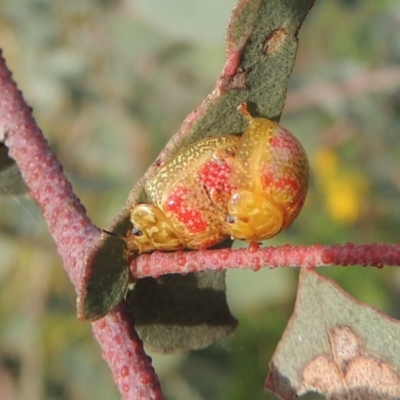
<point>270,179</point>
<point>287,183</point>
<point>274,141</point>
<point>178,204</point>
<point>283,140</point>
<point>215,175</point>
<point>267,176</point>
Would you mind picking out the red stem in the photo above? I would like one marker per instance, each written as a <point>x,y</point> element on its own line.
<point>123,350</point>
<point>75,236</point>
<point>255,257</point>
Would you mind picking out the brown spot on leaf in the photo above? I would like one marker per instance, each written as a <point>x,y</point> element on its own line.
<point>349,372</point>
<point>345,345</point>
<point>237,81</point>
<point>274,41</point>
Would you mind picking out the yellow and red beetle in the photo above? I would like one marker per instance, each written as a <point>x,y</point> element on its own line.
<point>249,187</point>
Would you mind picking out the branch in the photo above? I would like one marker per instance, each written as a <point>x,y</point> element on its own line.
<point>123,351</point>
<point>77,239</point>
<point>255,257</point>
<point>336,92</point>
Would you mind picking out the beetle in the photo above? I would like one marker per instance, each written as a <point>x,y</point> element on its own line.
<point>271,174</point>
<point>248,187</point>
<point>188,194</point>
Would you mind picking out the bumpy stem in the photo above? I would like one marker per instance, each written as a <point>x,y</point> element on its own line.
<point>75,236</point>
<point>255,257</point>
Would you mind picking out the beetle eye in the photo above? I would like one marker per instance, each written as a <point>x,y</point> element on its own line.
<point>136,231</point>
<point>230,219</point>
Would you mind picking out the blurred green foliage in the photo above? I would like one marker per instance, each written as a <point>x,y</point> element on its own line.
<point>110,82</point>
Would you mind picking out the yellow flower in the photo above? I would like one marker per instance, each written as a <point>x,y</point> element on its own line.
<point>344,189</point>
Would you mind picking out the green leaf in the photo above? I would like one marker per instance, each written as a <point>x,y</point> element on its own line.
<point>262,45</point>
<point>184,311</point>
<point>336,346</point>
<point>105,281</point>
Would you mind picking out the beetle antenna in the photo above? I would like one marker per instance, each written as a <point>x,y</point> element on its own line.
<point>111,233</point>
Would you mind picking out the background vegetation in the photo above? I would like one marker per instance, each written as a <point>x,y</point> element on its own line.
<point>110,82</point>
